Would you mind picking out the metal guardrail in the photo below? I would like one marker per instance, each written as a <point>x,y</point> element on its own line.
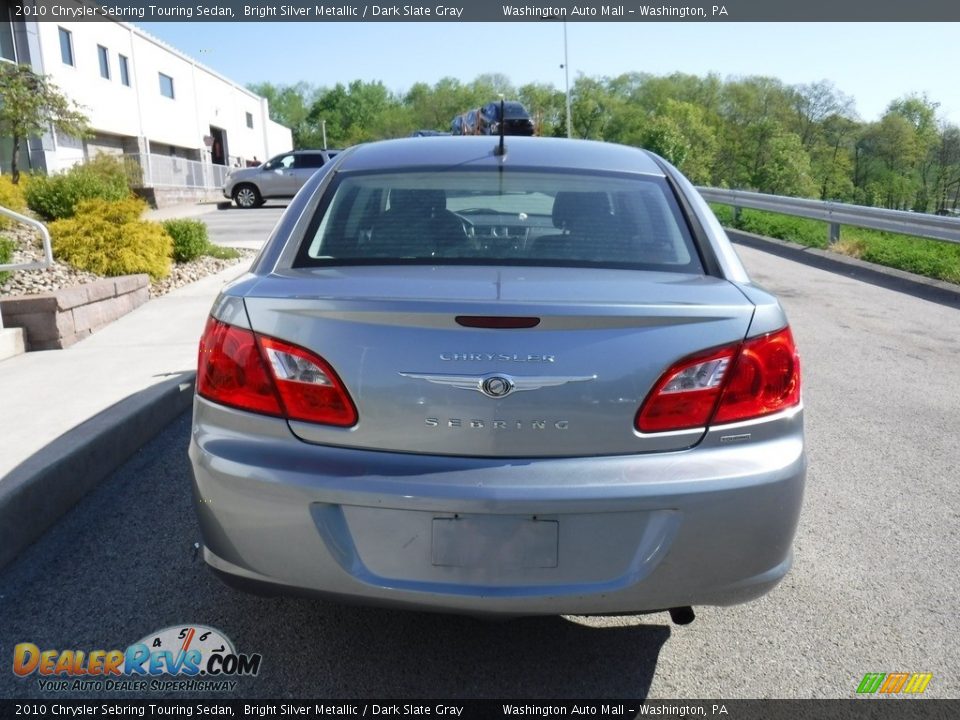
<point>47,246</point>
<point>836,214</point>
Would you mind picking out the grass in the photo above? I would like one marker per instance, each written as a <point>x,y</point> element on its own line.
<point>6,255</point>
<point>931,258</point>
<point>220,252</point>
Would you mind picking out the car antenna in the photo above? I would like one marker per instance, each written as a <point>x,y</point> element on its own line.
<point>501,150</point>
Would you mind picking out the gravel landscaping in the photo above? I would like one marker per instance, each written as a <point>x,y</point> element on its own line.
<point>29,248</point>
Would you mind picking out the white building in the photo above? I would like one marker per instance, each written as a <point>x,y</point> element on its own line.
<point>182,122</point>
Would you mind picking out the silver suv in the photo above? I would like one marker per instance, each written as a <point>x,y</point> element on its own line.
<point>279,177</point>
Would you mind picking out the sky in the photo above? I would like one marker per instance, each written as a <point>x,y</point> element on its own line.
<point>874,63</point>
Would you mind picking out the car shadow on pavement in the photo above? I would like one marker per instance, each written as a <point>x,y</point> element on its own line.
<point>120,565</point>
<point>229,205</point>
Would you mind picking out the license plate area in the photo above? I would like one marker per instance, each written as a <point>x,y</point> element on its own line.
<point>494,542</point>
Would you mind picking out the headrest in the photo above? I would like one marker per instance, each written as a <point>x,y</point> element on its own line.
<point>580,210</point>
<point>425,202</point>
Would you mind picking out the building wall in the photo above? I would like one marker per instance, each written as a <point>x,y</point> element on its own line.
<point>180,125</point>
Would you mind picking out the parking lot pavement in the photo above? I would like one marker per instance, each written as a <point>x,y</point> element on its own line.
<point>242,228</point>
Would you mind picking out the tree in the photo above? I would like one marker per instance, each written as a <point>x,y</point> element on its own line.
<point>31,104</point>
<point>831,157</point>
<point>593,107</point>
<point>358,113</point>
<point>948,167</point>
<point>813,104</point>
<point>547,107</point>
<point>289,106</point>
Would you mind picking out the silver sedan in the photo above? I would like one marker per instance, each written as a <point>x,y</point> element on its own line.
<point>536,381</point>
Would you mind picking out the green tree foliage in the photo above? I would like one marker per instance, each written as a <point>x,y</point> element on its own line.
<point>359,112</point>
<point>756,133</point>
<point>31,104</point>
<point>290,106</point>
<point>547,108</point>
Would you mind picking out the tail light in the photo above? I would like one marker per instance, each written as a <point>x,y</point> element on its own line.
<point>263,375</point>
<point>739,382</point>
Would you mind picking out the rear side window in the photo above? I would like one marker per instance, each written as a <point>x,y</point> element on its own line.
<point>487,217</point>
<point>280,162</point>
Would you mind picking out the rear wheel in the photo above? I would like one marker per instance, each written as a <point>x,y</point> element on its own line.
<point>247,196</point>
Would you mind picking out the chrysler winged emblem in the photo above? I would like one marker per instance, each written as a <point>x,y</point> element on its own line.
<point>498,385</point>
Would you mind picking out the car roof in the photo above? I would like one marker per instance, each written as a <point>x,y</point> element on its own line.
<point>528,152</point>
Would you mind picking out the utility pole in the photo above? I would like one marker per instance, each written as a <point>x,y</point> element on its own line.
<point>566,69</point>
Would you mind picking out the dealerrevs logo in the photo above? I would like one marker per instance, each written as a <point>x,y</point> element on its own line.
<point>202,657</point>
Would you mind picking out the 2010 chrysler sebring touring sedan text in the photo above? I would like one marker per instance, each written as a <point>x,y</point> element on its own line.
<point>521,383</point>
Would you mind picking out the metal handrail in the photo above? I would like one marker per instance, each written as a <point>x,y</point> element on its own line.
<point>47,245</point>
<point>922,225</point>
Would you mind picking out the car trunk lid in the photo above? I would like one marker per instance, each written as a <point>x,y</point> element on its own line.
<point>570,385</point>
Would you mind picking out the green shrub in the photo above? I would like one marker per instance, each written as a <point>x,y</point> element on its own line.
<point>934,259</point>
<point>108,238</point>
<point>118,211</point>
<point>11,197</point>
<point>804,231</point>
<point>6,255</point>
<point>812,233</point>
<point>56,196</point>
<point>189,239</point>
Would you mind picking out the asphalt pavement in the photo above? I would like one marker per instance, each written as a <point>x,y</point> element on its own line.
<point>875,588</point>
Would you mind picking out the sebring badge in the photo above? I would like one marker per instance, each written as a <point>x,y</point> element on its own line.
<point>497,385</point>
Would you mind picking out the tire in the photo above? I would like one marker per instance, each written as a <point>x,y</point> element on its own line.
<point>247,196</point>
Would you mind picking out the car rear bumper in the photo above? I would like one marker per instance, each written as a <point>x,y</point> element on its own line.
<point>601,535</point>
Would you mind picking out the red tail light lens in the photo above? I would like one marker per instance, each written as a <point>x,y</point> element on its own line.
<point>739,382</point>
<point>231,371</point>
<point>309,388</point>
<point>263,375</point>
<point>687,393</point>
<point>765,380</point>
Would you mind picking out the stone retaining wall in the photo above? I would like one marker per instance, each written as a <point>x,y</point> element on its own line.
<point>169,197</point>
<point>57,320</point>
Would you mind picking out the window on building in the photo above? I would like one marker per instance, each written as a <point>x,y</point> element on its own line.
<point>66,47</point>
<point>249,120</point>
<point>124,70</point>
<point>104,55</point>
<point>166,86</point>
<point>8,51</point>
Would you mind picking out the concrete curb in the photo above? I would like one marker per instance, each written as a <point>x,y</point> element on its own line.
<point>178,212</point>
<point>46,485</point>
<point>937,291</point>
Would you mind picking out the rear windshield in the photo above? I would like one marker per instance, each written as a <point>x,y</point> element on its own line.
<point>491,217</point>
